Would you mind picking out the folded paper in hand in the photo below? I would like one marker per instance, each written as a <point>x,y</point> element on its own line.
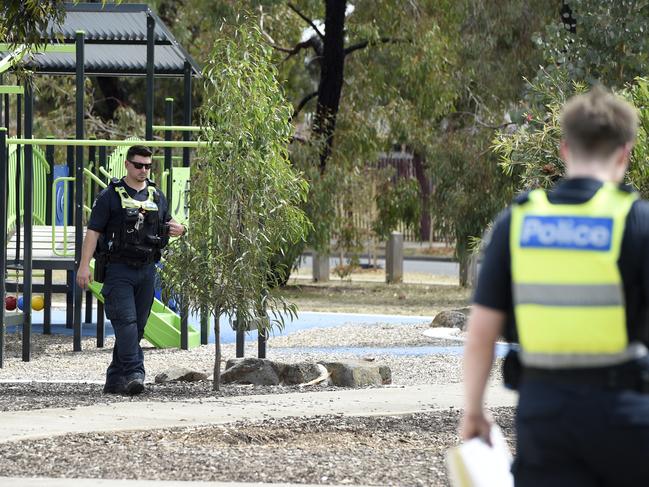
<point>476,464</point>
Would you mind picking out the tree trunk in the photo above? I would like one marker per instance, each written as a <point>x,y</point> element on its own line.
<point>113,97</point>
<point>419,163</point>
<point>216,384</point>
<point>331,77</point>
<point>464,269</point>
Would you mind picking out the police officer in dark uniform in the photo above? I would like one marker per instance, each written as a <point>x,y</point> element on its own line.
<point>129,225</point>
<point>566,272</point>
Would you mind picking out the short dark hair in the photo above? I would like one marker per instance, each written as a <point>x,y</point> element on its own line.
<point>138,150</point>
<point>598,122</point>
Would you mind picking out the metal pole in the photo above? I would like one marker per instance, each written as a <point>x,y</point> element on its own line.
<point>78,190</point>
<point>68,219</point>
<point>108,143</point>
<point>91,189</point>
<point>169,120</point>
<point>7,113</point>
<point>102,158</point>
<point>241,343</point>
<point>19,133</point>
<point>187,108</point>
<point>28,219</point>
<point>49,157</point>
<point>47,314</point>
<point>150,73</point>
<point>205,323</point>
<point>184,325</point>
<point>262,339</point>
<point>92,160</point>
<point>3,236</point>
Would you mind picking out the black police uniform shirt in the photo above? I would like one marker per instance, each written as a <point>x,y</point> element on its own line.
<point>494,287</point>
<point>107,208</point>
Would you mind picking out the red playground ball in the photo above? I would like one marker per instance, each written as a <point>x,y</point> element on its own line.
<point>10,303</point>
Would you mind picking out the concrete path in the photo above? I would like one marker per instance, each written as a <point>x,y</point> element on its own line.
<point>125,416</point>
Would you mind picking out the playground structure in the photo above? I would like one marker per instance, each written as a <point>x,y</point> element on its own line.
<point>46,232</point>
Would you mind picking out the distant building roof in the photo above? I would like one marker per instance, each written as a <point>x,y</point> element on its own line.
<point>115,42</point>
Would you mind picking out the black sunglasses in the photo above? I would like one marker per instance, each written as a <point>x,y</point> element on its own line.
<point>139,165</point>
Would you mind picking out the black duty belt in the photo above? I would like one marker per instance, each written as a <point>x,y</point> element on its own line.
<point>616,378</point>
<point>117,259</point>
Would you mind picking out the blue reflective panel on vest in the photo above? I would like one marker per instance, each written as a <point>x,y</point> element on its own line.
<point>567,232</point>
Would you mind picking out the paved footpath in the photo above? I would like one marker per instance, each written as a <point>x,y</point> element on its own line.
<point>129,416</point>
<point>125,416</point>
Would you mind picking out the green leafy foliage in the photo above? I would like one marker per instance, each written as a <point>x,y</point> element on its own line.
<point>21,21</point>
<point>531,153</point>
<point>469,191</point>
<point>397,203</point>
<point>245,199</point>
<point>610,44</point>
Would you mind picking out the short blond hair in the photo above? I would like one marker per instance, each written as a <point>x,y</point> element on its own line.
<point>597,123</point>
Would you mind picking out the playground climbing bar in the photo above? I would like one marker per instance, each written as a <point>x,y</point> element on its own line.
<point>177,144</point>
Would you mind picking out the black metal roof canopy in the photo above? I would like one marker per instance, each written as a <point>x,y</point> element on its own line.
<point>115,43</point>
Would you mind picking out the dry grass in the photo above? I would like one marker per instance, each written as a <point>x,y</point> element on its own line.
<point>381,298</point>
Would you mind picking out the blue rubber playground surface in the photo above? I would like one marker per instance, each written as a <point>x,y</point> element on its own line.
<point>305,320</point>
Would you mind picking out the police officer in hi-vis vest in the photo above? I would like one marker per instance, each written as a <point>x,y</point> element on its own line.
<point>566,275</point>
<point>129,225</point>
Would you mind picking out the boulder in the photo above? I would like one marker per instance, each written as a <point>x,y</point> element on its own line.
<point>357,374</point>
<point>179,374</point>
<point>301,373</point>
<point>257,371</point>
<point>386,374</point>
<point>343,374</point>
<point>450,319</point>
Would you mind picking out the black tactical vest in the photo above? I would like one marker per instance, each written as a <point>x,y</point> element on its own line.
<point>141,233</point>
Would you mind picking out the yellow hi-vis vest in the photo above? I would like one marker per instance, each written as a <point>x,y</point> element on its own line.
<point>566,284</point>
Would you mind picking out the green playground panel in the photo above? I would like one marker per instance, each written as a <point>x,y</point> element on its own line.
<point>41,170</point>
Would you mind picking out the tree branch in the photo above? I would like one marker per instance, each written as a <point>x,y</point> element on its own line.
<point>303,102</point>
<point>298,47</point>
<point>307,20</point>
<point>364,44</point>
<point>290,51</point>
<point>269,40</point>
<point>477,120</point>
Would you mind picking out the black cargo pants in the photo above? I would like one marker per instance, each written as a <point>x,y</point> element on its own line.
<point>128,297</point>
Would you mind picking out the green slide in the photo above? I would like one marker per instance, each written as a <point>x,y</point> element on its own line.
<point>163,328</point>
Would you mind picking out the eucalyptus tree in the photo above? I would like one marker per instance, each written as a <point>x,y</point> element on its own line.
<point>604,42</point>
<point>245,199</point>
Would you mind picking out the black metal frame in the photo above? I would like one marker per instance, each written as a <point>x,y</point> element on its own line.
<point>75,161</point>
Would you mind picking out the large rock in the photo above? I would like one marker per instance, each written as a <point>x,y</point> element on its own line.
<point>450,319</point>
<point>257,371</point>
<point>386,374</point>
<point>357,374</point>
<point>179,374</point>
<point>301,373</point>
<point>268,372</point>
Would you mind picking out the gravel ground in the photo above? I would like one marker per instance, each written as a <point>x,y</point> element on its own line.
<point>403,450</point>
<point>54,360</point>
